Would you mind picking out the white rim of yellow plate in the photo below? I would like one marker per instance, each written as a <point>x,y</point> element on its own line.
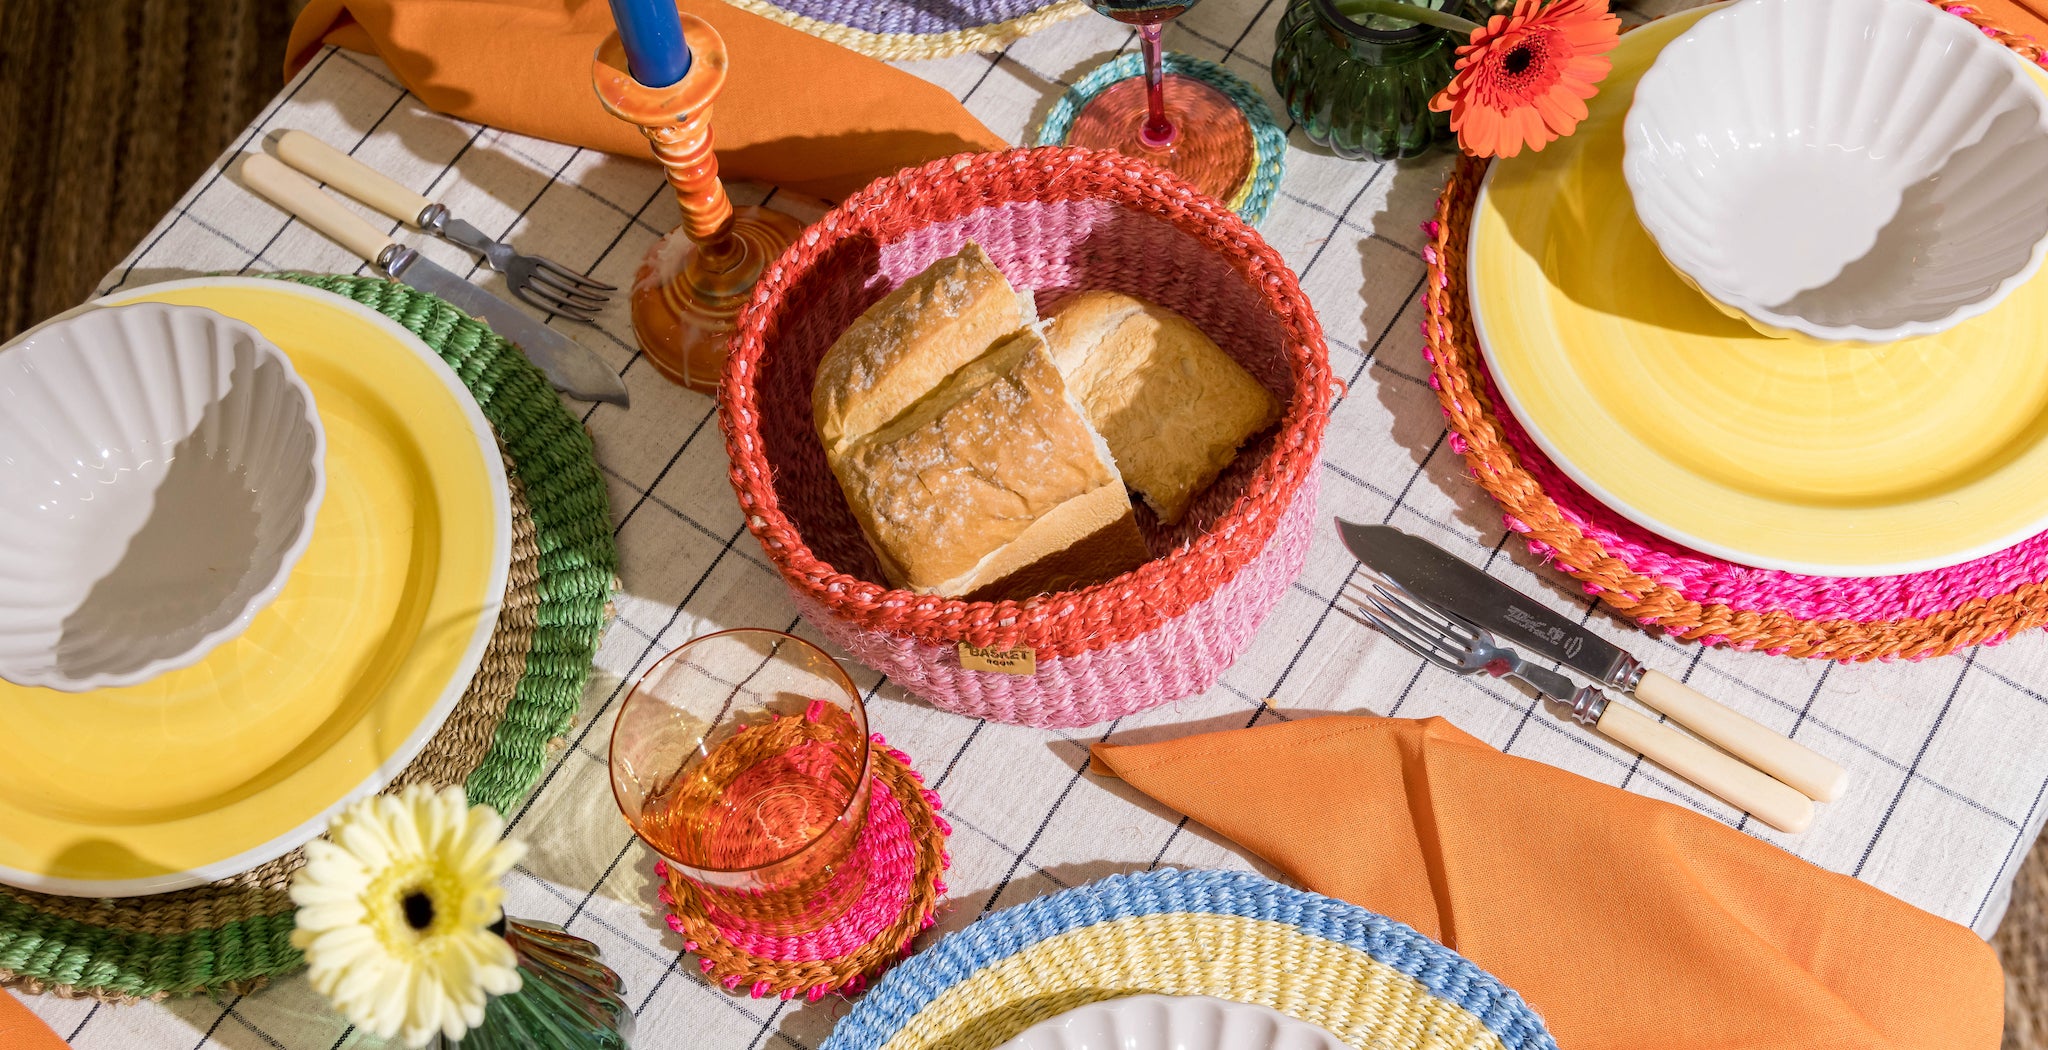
<point>1532,426</point>
<point>465,669</point>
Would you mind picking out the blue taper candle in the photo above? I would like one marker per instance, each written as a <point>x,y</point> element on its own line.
<point>652,32</point>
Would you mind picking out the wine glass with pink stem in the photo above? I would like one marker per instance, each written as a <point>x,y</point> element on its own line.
<point>1178,122</point>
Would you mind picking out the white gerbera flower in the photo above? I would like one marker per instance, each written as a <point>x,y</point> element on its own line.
<point>395,909</point>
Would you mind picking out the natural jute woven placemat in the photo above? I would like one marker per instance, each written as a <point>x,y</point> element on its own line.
<point>892,30</point>
<point>1658,582</point>
<point>233,935</point>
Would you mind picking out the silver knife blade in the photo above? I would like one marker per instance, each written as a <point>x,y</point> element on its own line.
<point>1442,579</point>
<point>573,368</point>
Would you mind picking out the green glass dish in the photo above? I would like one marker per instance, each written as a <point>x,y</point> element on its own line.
<point>1363,90</point>
<point>567,1000</point>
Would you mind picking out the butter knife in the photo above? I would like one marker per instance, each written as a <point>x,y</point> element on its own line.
<point>1462,647</point>
<point>1447,582</point>
<point>571,367</point>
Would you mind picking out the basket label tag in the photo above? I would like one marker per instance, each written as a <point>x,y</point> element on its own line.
<point>1021,660</point>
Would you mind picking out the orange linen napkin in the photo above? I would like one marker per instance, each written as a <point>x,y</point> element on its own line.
<point>1628,923</point>
<point>796,110</point>
<point>21,1030</point>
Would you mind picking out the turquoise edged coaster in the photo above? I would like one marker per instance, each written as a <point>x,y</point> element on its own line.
<point>1269,141</point>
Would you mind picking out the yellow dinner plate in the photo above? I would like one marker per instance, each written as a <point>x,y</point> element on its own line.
<point>208,771</point>
<point>1833,460</point>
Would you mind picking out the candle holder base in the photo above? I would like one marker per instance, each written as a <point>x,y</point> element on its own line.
<point>686,295</point>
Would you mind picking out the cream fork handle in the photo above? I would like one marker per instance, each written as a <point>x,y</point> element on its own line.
<point>1783,758</point>
<point>350,176</point>
<point>1727,779</point>
<point>298,195</point>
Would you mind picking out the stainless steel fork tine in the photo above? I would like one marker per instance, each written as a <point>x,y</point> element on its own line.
<point>552,294</point>
<point>1449,622</point>
<point>1416,626</point>
<point>1419,648</point>
<point>572,276</point>
<point>1406,630</point>
<point>536,299</point>
<point>542,277</point>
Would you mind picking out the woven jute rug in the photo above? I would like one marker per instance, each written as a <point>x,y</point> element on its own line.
<point>234,935</point>
<point>2022,944</point>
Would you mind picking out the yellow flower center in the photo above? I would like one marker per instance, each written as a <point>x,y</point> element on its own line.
<point>411,906</point>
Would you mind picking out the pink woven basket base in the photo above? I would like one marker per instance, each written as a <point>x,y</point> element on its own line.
<point>1180,658</point>
<point>1056,249</point>
<point>1709,580</point>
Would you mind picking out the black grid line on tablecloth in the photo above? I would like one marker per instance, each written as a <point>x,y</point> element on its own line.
<point>1937,830</point>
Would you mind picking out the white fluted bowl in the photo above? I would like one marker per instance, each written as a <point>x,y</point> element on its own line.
<point>1862,170</point>
<point>1173,1022</point>
<point>160,467</point>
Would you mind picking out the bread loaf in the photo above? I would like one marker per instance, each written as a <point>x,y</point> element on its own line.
<point>969,468</point>
<point>992,485</point>
<point>915,337</point>
<point>1172,406</point>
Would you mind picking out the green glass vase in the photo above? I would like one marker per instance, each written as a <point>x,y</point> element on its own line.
<point>567,999</point>
<point>1363,89</point>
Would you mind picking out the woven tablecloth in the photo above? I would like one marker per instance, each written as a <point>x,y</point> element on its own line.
<point>1949,771</point>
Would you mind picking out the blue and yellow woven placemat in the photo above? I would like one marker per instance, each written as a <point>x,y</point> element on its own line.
<point>1369,980</point>
<point>1255,197</point>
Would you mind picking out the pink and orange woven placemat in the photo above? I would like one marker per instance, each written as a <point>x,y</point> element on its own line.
<point>902,850</point>
<point>1660,583</point>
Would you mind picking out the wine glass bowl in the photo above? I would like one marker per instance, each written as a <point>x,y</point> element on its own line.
<point>1180,123</point>
<point>742,758</point>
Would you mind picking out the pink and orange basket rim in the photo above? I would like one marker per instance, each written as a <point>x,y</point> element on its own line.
<point>1070,622</point>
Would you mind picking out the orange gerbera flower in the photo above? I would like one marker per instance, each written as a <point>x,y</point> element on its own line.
<point>1524,78</point>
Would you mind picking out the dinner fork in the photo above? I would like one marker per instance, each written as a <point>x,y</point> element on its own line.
<point>1461,647</point>
<point>536,280</point>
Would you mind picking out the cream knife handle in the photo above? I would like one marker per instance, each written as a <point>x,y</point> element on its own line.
<point>298,195</point>
<point>1727,779</point>
<point>1789,761</point>
<point>350,176</point>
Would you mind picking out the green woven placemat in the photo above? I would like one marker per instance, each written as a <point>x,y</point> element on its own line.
<point>235,934</point>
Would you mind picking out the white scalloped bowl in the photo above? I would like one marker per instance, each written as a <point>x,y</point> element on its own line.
<point>1173,1022</point>
<point>1861,170</point>
<point>160,467</point>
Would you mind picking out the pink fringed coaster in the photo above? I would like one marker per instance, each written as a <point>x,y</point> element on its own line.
<point>903,846</point>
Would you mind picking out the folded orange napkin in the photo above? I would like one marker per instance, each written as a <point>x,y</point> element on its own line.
<point>796,110</point>
<point>1628,923</point>
<point>21,1030</point>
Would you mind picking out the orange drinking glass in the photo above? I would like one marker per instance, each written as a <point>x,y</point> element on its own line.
<point>742,758</point>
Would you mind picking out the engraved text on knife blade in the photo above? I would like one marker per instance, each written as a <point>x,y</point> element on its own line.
<point>1568,646</point>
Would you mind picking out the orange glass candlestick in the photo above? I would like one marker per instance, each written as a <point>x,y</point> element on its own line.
<point>693,282</point>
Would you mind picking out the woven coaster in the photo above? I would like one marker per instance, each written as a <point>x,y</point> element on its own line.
<point>232,936</point>
<point>906,29</point>
<point>1255,196</point>
<point>1660,583</point>
<point>1365,978</point>
<point>903,845</point>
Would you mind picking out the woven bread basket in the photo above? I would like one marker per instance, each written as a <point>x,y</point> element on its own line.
<point>1057,220</point>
